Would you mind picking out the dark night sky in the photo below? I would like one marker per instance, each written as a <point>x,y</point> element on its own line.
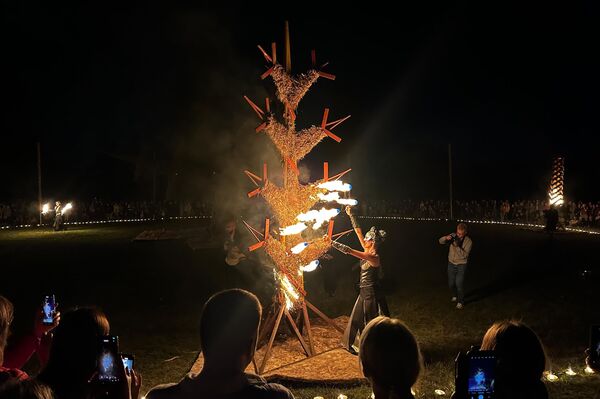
<point>113,91</point>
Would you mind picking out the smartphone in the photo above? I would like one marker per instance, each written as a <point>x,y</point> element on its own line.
<point>475,374</point>
<point>481,374</point>
<point>49,309</point>
<point>108,357</point>
<point>128,360</point>
<point>594,357</point>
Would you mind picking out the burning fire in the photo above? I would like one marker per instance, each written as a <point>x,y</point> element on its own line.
<point>334,196</point>
<point>46,208</point>
<point>299,248</point>
<point>321,216</point>
<point>290,293</point>
<point>310,267</point>
<point>335,185</point>
<point>294,229</point>
<point>66,208</point>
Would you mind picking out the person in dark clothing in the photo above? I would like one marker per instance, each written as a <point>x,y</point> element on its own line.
<point>228,333</point>
<point>370,302</point>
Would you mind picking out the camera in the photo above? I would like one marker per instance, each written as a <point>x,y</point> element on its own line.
<point>475,374</point>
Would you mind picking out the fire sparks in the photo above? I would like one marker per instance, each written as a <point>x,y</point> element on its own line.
<point>299,248</point>
<point>291,295</point>
<point>321,216</point>
<point>66,208</point>
<point>294,229</point>
<point>46,208</point>
<point>335,185</point>
<point>310,267</point>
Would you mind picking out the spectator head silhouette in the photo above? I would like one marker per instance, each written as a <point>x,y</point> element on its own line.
<point>229,328</point>
<point>6,317</point>
<point>520,354</point>
<point>390,357</point>
<point>74,351</point>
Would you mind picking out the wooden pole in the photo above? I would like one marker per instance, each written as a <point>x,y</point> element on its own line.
<point>39,168</point>
<point>288,50</point>
<point>450,180</point>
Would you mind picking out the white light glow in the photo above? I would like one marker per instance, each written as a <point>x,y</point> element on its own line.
<point>335,185</point>
<point>294,229</point>
<point>570,371</point>
<point>321,216</point>
<point>439,392</point>
<point>310,267</point>
<point>550,376</point>
<point>299,248</point>
<point>46,208</point>
<point>589,370</point>
<point>66,208</point>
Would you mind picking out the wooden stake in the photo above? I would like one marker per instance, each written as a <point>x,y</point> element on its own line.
<point>256,246</point>
<point>333,136</point>
<point>325,171</point>
<point>322,316</point>
<point>313,57</point>
<point>325,115</point>
<point>261,127</point>
<point>308,330</point>
<point>254,193</point>
<point>274,52</point>
<point>326,75</point>
<point>330,229</point>
<point>275,328</point>
<point>267,73</point>
<point>298,335</point>
<point>264,53</point>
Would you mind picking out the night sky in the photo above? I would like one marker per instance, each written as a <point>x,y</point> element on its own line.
<point>114,93</point>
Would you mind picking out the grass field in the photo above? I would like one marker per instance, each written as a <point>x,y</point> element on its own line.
<point>153,293</point>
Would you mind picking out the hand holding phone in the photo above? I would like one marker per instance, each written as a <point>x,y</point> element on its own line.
<point>128,360</point>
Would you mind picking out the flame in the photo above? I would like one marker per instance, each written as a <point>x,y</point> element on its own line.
<point>299,248</point>
<point>550,376</point>
<point>334,196</point>
<point>289,292</point>
<point>589,370</point>
<point>66,208</point>
<point>570,371</point>
<point>46,208</point>
<point>294,229</point>
<point>321,216</point>
<point>439,392</point>
<point>310,267</point>
<point>335,185</point>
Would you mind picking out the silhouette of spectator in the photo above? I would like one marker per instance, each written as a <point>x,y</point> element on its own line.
<point>6,318</point>
<point>73,359</point>
<point>26,389</point>
<point>390,358</point>
<point>228,333</point>
<point>521,360</point>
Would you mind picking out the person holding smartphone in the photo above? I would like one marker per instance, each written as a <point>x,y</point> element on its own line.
<point>521,360</point>
<point>38,341</point>
<point>460,245</point>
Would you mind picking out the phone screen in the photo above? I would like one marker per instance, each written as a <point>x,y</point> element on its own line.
<point>49,309</point>
<point>108,358</point>
<point>482,373</point>
<point>127,360</point>
<point>595,344</point>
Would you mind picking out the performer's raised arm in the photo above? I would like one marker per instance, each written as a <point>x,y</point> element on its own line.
<point>356,227</point>
<point>372,258</point>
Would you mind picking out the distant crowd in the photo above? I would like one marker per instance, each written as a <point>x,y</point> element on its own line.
<point>581,214</point>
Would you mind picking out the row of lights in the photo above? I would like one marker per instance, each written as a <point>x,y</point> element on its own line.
<point>21,226</point>
<point>576,230</point>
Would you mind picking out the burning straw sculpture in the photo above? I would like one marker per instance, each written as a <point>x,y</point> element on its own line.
<point>555,193</point>
<point>304,234</point>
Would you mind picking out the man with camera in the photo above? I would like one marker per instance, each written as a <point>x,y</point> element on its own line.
<point>458,257</point>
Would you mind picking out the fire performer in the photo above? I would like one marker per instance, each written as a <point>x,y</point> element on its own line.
<point>58,216</point>
<point>370,302</point>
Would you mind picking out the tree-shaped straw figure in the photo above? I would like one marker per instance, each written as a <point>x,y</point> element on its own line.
<point>304,233</point>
